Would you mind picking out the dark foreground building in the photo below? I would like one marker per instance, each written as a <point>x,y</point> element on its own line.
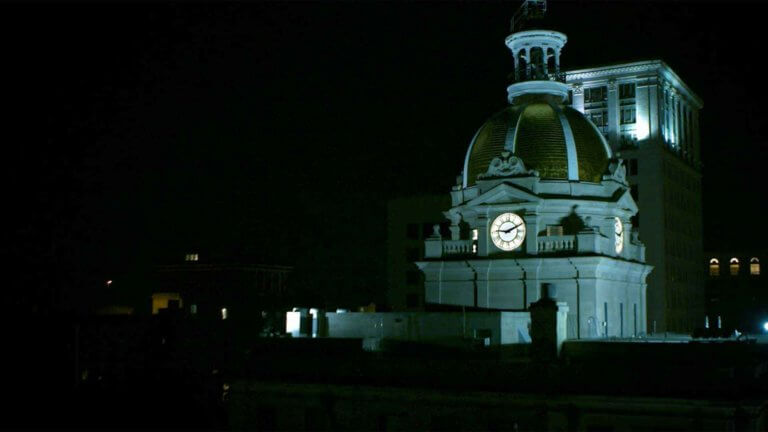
<point>595,386</point>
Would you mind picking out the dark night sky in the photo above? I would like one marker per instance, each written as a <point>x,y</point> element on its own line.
<point>275,132</point>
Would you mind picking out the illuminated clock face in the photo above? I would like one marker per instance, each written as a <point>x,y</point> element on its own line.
<point>619,231</point>
<point>508,231</point>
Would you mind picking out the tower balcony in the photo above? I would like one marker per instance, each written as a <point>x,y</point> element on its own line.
<point>439,248</point>
<point>538,76</point>
<point>588,242</point>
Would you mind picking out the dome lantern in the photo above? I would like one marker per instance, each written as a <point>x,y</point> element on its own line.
<point>554,140</point>
<point>537,64</point>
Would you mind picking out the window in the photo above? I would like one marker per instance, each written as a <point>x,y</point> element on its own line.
<point>570,97</point>
<point>632,166</point>
<point>754,266</point>
<point>474,234</point>
<point>635,192</point>
<point>595,94</point>
<point>734,266</point>
<point>191,257</point>
<point>554,230</point>
<point>223,313</point>
<point>599,118</point>
<point>628,115</point>
<point>193,309</point>
<point>626,91</point>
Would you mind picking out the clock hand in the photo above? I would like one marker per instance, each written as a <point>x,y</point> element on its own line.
<point>511,229</point>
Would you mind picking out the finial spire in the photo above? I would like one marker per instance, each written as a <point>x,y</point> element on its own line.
<point>529,10</point>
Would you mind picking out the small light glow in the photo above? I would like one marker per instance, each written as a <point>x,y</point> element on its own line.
<point>223,313</point>
<point>191,257</point>
<point>765,326</point>
<point>642,127</point>
<point>293,323</point>
<point>109,282</point>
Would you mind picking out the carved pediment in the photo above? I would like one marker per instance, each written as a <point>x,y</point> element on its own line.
<point>626,201</point>
<point>504,193</point>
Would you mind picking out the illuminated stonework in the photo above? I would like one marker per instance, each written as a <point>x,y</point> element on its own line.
<point>650,118</point>
<point>542,166</point>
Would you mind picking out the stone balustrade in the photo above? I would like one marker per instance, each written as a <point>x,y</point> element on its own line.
<point>457,247</point>
<point>557,243</point>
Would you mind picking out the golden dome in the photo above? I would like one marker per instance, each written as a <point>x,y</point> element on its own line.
<point>553,139</point>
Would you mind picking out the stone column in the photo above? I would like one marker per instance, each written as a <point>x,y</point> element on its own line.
<point>696,138</point>
<point>517,66</point>
<point>578,97</point>
<point>642,111</point>
<point>676,113</point>
<point>667,121</point>
<point>455,228</point>
<point>653,109</point>
<point>527,63</point>
<point>482,235</point>
<point>614,114</point>
<point>531,233</point>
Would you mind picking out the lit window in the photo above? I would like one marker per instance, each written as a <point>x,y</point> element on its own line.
<point>628,115</point>
<point>223,313</point>
<point>554,230</point>
<point>474,234</point>
<point>754,266</point>
<point>734,266</point>
<point>191,257</point>
<point>714,267</point>
<point>599,118</point>
<point>167,300</point>
<point>596,94</point>
<point>193,309</point>
<point>474,248</point>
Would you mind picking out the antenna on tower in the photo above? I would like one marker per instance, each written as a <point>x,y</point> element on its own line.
<point>529,10</point>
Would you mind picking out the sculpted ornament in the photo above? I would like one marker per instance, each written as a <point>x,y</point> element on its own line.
<point>505,166</point>
<point>617,171</point>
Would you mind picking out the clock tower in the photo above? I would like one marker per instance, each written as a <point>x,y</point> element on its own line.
<point>541,201</point>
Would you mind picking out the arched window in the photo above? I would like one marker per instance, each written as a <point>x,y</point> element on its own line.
<point>754,266</point>
<point>714,267</point>
<point>734,266</point>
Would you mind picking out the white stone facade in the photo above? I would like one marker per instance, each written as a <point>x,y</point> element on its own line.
<point>570,244</point>
<point>650,117</point>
